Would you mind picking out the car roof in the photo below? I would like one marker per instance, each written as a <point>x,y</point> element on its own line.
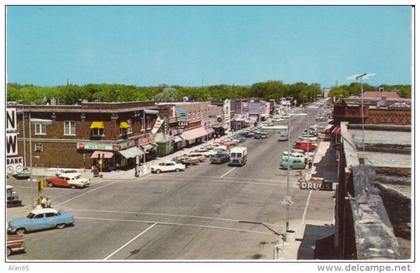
<point>46,210</point>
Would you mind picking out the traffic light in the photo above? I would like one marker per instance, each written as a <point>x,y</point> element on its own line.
<point>41,185</point>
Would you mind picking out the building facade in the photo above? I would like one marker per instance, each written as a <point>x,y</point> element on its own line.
<point>112,135</point>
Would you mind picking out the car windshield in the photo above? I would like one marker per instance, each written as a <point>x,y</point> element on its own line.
<point>30,215</point>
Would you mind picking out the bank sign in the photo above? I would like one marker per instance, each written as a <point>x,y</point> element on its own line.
<point>13,162</point>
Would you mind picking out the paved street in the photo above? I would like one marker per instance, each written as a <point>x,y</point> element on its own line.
<point>207,212</point>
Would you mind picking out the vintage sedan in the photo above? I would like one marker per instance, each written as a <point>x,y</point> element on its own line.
<point>68,180</point>
<point>220,158</point>
<point>167,166</point>
<point>39,219</point>
<point>14,244</point>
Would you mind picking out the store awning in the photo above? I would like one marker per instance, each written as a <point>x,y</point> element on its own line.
<point>177,139</point>
<point>124,125</point>
<point>131,152</point>
<point>194,133</point>
<point>336,131</point>
<point>147,147</point>
<point>96,154</point>
<point>151,112</point>
<point>97,125</point>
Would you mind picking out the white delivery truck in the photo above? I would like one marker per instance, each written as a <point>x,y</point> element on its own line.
<point>238,156</point>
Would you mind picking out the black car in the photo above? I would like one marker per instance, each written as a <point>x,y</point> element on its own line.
<point>220,158</point>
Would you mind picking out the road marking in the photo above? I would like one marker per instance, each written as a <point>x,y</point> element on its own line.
<point>228,172</point>
<point>215,177</point>
<point>219,180</point>
<point>80,195</point>
<point>157,214</point>
<point>306,207</point>
<point>175,224</point>
<point>129,242</point>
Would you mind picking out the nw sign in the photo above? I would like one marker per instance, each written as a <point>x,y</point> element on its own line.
<point>11,120</point>
<point>11,144</point>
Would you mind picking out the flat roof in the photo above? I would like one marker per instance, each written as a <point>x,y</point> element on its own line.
<point>381,136</point>
<point>393,160</point>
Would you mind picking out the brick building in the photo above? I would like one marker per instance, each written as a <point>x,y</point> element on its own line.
<point>77,136</point>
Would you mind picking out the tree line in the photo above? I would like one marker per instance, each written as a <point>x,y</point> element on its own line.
<point>74,94</point>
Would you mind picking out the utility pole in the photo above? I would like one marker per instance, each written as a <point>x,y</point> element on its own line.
<point>30,162</point>
<point>362,109</point>
<point>288,175</point>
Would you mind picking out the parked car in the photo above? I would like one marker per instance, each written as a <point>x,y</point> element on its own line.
<point>239,137</point>
<point>167,166</point>
<point>186,160</point>
<point>24,174</point>
<point>14,244</point>
<point>217,150</point>
<point>292,154</point>
<point>293,162</point>
<point>39,219</point>
<point>305,145</point>
<point>198,156</point>
<point>220,158</point>
<point>12,197</point>
<point>260,134</point>
<point>309,137</point>
<point>68,180</point>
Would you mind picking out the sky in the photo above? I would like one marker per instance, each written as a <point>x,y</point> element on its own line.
<point>194,46</point>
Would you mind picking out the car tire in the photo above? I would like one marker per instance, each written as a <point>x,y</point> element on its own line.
<point>157,171</point>
<point>60,226</point>
<point>9,251</point>
<point>177,170</point>
<point>50,184</point>
<point>20,231</point>
<point>73,186</point>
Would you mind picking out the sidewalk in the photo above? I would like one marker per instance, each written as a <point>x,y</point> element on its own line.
<point>308,232</point>
<point>128,174</point>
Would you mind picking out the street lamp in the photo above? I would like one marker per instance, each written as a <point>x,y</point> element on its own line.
<point>357,77</point>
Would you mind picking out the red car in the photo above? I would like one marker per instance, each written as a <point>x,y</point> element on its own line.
<point>307,146</point>
<point>68,180</point>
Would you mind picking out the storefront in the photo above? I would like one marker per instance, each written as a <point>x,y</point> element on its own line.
<point>194,136</point>
<point>129,156</point>
<point>104,161</point>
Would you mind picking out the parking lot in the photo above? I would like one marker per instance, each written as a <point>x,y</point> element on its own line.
<point>207,211</point>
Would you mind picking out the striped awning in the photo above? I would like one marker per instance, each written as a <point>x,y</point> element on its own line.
<point>101,154</point>
<point>97,125</point>
<point>124,125</point>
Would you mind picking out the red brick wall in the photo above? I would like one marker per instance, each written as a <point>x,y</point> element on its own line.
<point>388,116</point>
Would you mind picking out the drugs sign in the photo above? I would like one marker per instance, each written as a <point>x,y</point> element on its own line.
<point>316,184</point>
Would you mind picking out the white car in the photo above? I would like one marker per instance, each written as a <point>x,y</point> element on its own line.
<point>167,166</point>
<point>196,155</point>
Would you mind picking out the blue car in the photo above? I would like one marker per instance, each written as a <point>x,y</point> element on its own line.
<point>39,219</point>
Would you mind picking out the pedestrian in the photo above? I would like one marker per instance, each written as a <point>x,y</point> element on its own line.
<point>43,202</point>
<point>48,202</point>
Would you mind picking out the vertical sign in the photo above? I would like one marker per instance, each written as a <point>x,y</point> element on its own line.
<point>14,163</point>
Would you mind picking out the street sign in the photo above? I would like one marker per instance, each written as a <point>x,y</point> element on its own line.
<point>14,165</point>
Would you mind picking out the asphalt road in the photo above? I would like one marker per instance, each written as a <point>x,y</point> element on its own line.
<point>208,212</point>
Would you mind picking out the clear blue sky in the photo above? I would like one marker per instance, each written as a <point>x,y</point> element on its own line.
<point>210,45</point>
